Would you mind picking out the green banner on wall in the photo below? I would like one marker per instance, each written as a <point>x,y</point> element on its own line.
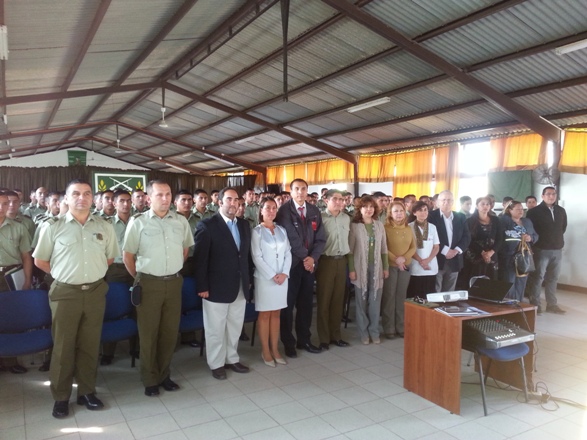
<point>76,157</point>
<point>114,181</point>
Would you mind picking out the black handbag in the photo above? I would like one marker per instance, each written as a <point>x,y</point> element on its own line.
<point>524,260</point>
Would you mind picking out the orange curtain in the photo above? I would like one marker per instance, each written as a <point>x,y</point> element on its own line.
<point>259,182</point>
<point>376,168</point>
<point>517,152</point>
<point>447,169</point>
<point>337,171</point>
<point>574,155</point>
<point>274,175</point>
<point>413,173</point>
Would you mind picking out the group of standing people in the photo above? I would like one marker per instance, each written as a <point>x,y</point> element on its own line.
<point>292,247</point>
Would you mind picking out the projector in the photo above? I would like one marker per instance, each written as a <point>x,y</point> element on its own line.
<point>457,295</point>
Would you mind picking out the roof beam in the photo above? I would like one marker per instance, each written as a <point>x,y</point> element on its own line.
<point>532,120</point>
<point>292,134</point>
<point>192,147</point>
<point>24,99</point>
<point>96,22</point>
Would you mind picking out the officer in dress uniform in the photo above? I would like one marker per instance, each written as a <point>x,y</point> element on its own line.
<point>77,250</point>
<point>155,246</point>
<point>15,252</point>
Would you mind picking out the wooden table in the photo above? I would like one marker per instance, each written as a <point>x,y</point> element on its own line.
<point>432,351</point>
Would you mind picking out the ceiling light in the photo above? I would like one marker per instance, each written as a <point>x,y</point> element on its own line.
<point>118,150</point>
<point>369,104</point>
<point>242,141</point>
<point>163,124</point>
<point>176,167</point>
<point>577,45</point>
<point>218,159</point>
<point>5,118</point>
<point>186,155</point>
<point>3,42</point>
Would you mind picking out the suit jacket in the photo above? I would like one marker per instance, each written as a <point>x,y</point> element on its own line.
<point>221,268</point>
<point>461,237</point>
<point>289,217</point>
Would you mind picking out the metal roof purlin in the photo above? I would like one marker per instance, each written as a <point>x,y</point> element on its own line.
<point>529,118</point>
<point>292,134</point>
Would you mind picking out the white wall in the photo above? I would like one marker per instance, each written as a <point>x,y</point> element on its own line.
<point>59,159</point>
<point>572,198</point>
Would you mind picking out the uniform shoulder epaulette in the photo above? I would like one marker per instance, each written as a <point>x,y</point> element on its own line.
<point>137,215</point>
<point>52,220</point>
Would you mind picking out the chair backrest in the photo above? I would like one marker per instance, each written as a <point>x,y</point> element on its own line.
<point>23,310</point>
<point>117,301</point>
<point>189,298</point>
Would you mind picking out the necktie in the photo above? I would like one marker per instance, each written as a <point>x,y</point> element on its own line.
<point>235,234</point>
<point>301,209</point>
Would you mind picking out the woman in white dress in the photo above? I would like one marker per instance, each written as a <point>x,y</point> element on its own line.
<point>424,266</point>
<point>271,254</point>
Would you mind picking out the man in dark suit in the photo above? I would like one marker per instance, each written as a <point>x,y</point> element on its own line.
<point>222,252</point>
<point>454,240</point>
<point>307,238</point>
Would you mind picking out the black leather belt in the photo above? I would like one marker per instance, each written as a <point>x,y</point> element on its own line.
<point>163,278</point>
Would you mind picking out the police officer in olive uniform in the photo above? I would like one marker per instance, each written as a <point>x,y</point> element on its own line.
<point>156,245</point>
<point>15,251</point>
<point>251,208</point>
<point>33,210</point>
<point>76,249</point>
<point>15,214</point>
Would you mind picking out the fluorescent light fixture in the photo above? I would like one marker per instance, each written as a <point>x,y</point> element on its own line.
<point>3,42</point>
<point>242,141</point>
<point>218,159</point>
<point>369,104</point>
<point>176,167</point>
<point>577,45</point>
<point>186,155</point>
<point>5,118</point>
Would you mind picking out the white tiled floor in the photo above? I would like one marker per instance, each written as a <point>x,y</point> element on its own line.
<point>345,393</point>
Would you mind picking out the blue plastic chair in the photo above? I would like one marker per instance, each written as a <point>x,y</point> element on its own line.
<point>192,315</point>
<point>503,354</point>
<point>25,322</point>
<point>118,324</point>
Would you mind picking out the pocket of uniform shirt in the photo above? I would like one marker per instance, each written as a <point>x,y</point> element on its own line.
<point>66,241</point>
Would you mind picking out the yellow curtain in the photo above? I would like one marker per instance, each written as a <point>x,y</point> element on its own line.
<point>447,169</point>
<point>259,182</point>
<point>517,152</point>
<point>376,168</point>
<point>413,173</point>
<point>274,175</point>
<point>574,155</point>
<point>329,171</point>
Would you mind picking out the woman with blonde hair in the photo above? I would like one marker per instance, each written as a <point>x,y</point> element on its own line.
<point>401,246</point>
<point>368,267</point>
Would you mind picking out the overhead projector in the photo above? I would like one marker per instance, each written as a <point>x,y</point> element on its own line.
<point>457,295</point>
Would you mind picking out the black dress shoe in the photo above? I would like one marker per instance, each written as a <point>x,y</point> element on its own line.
<point>45,366</point>
<point>61,409</point>
<point>340,343</point>
<point>152,391</point>
<point>192,343</point>
<point>169,385</point>
<point>290,352</point>
<point>90,401</point>
<point>17,369</point>
<point>106,359</point>
<point>237,367</point>
<point>219,373</point>
<point>324,346</point>
<point>309,348</point>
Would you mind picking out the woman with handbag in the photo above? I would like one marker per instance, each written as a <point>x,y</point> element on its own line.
<point>517,231</point>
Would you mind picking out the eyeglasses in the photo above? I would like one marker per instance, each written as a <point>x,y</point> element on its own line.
<point>419,300</point>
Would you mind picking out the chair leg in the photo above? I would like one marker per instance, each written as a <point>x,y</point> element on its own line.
<point>253,335</point>
<point>487,372</point>
<point>202,343</point>
<point>482,380</point>
<point>132,360</point>
<point>470,359</point>
<point>524,378</point>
